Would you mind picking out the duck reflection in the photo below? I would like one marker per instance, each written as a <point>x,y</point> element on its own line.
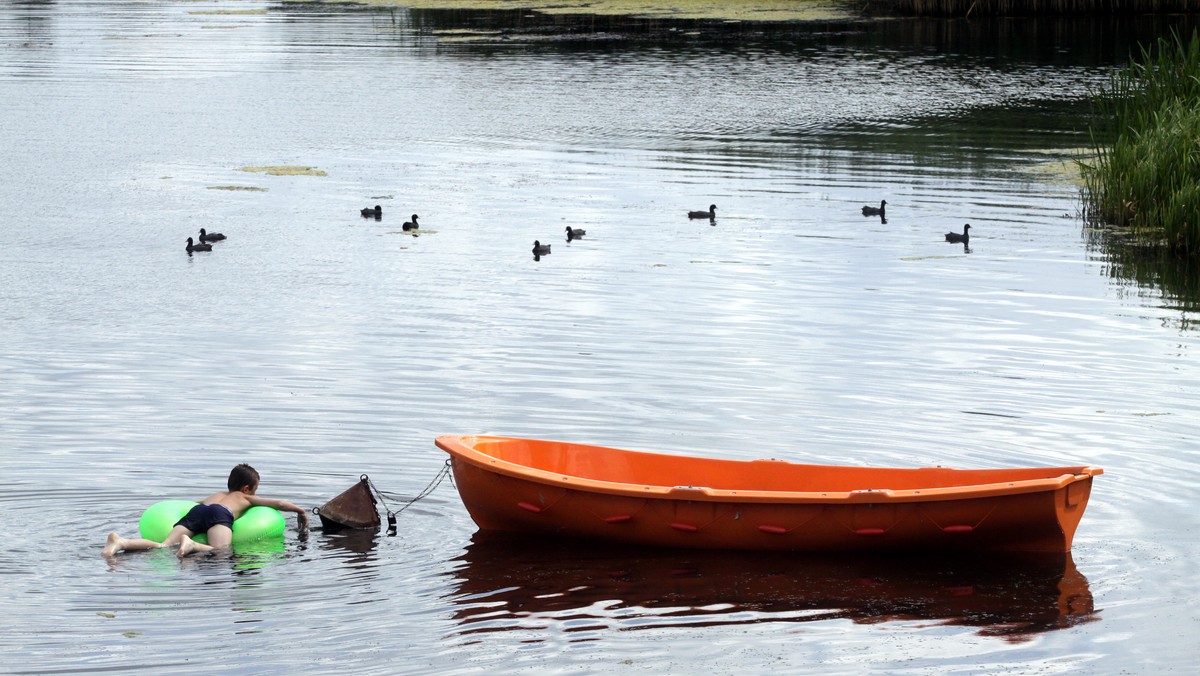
<point>1015,597</point>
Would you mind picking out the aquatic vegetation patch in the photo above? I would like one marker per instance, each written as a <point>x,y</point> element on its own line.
<point>237,12</point>
<point>466,31</point>
<point>1059,171</point>
<point>726,10</point>
<point>286,171</point>
<point>247,188</point>
<point>467,35</point>
<point>1060,165</point>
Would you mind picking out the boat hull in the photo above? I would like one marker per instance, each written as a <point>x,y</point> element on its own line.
<point>575,490</point>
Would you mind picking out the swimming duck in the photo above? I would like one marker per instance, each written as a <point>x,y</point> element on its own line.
<point>411,225</point>
<point>575,233</point>
<point>197,247</point>
<point>872,211</point>
<point>957,238</point>
<point>711,214</point>
<point>540,249</point>
<point>210,236</point>
<point>369,212</point>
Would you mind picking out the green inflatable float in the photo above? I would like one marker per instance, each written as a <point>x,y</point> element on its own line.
<point>258,523</point>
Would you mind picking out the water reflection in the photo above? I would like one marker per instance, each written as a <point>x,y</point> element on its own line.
<point>244,558</point>
<point>353,547</point>
<point>1149,267</point>
<point>506,582</point>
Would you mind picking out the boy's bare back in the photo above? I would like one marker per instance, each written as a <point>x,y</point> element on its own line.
<point>235,501</point>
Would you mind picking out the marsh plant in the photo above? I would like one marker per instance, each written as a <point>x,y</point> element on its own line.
<point>1144,181</point>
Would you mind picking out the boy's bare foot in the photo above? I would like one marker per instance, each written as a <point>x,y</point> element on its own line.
<point>115,544</point>
<point>186,546</point>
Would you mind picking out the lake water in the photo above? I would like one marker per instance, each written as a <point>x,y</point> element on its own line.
<point>318,345</point>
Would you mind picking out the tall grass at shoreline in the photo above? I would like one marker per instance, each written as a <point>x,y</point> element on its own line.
<point>1145,177</point>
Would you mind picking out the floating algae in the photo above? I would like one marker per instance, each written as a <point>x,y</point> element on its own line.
<point>286,171</point>
<point>247,188</point>
<point>228,11</point>
<point>727,10</point>
<point>467,35</point>
<point>1062,166</point>
<point>1062,171</point>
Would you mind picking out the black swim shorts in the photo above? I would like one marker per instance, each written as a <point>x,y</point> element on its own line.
<point>202,517</point>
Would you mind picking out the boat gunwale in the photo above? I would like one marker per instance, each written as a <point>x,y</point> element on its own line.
<point>457,448</point>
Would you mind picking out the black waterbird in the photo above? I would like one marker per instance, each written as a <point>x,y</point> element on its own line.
<point>956,238</point>
<point>873,211</point>
<point>210,236</point>
<point>197,247</point>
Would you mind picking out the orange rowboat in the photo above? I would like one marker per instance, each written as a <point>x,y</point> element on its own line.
<point>576,490</point>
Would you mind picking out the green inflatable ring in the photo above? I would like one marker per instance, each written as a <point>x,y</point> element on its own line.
<point>258,523</point>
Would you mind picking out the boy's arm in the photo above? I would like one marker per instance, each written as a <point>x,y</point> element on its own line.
<point>283,506</point>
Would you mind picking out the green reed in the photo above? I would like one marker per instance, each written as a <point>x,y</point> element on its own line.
<point>1145,176</point>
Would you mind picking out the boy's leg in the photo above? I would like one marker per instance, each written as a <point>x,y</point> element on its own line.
<point>116,543</point>
<point>176,536</point>
<point>219,537</point>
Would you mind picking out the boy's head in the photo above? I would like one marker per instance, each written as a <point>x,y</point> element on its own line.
<point>243,475</point>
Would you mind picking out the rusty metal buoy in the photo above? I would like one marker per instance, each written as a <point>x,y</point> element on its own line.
<point>354,508</point>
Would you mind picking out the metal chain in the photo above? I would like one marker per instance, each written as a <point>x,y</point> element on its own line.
<point>437,480</point>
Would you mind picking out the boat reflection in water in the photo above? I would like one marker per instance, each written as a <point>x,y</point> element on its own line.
<point>508,582</point>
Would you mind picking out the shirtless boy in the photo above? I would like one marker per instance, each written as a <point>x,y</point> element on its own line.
<point>214,517</point>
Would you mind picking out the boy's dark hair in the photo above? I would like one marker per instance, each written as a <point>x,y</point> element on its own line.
<point>243,475</point>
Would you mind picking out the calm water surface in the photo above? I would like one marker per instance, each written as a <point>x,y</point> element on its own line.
<point>318,345</point>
